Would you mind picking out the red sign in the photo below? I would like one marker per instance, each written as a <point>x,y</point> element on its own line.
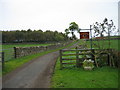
<point>84,35</point>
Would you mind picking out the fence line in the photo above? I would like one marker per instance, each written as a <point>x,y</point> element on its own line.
<point>8,54</point>
<point>6,49</point>
<point>104,39</point>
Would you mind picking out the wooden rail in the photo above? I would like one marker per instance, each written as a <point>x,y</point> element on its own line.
<point>82,52</point>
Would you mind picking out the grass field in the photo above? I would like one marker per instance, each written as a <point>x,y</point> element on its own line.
<point>72,77</point>
<point>15,63</point>
<point>114,36</point>
<point>105,44</point>
<point>7,46</point>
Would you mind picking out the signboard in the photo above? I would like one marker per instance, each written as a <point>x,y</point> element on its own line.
<point>84,35</point>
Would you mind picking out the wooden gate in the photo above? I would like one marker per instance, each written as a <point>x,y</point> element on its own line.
<point>77,56</point>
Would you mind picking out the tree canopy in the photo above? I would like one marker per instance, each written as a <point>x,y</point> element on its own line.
<point>106,27</point>
<point>72,28</point>
<point>32,36</point>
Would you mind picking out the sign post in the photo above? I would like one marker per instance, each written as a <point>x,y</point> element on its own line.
<point>91,37</point>
<point>85,35</point>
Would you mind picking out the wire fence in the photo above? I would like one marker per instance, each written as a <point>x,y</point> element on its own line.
<point>8,54</point>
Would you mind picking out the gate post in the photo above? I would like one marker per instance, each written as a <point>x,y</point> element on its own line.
<point>93,52</point>
<point>108,56</point>
<point>109,62</point>
<point>60,59</point>
<point>15,56</point>
<point>91,37</point>
<point>93,57</point>
<point>3,60</point>
<point>77,57</point>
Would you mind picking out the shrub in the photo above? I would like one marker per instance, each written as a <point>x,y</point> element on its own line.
<point>88,63</point>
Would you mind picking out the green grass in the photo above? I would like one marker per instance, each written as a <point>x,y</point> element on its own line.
<point>105,44</point>
<point>114,36</point>
<point>15,63</point>
<point>7,46</point>
<point>72,77</point>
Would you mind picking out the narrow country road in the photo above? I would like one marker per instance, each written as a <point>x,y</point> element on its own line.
<point>34,74</point>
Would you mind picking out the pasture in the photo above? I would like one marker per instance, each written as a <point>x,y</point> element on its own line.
<point>7,46</point>
<point>114,44</point>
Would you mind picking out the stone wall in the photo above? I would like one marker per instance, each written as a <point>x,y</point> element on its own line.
<point>23,51</point>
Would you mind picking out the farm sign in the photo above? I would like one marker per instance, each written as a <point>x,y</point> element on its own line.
<point>84,35</point>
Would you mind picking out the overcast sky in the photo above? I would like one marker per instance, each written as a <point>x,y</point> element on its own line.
<point>55,14</point>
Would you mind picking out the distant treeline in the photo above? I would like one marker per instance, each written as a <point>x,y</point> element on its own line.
<point>19,36</point>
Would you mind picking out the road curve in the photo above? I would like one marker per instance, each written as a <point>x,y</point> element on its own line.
<point>34,74</point>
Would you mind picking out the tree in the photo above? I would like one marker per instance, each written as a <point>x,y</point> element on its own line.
<point>32,36</point>
<point>72,28</point>
<point>100,29</point>
<point>29,30</point>
<point>67,32</point>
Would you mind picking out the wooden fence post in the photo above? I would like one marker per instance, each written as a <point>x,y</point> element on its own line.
<point>109,60</point>
<point>93,52</point>
<point>15,55</point>
<point>61,59</point>
<point>3,64</point>
<point>93,57</point>
<point>77,58</point>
